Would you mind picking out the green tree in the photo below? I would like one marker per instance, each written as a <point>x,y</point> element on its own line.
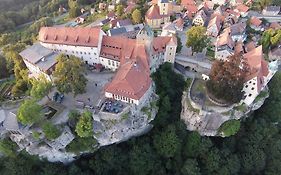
<point>141,160</point>
<point>263,3</point>
<point>179,44</point>
<point>69,75</point>
<point>40,88</point>
<point>3,68</point>
<point>74,9</point>
<point>192,144</point>
<point>276,39</point>
<point>51,131</point>
<point>230,128</point>
<point>197,38</point>
<point>8,147</point>
<point>227,75</point>
<point>190,167</point>
<point>136,15</point>
<point>119,10</point>
<point>84,127</point>
<point>29,112</point>
<point>265,40</point>
<point>167,143</point>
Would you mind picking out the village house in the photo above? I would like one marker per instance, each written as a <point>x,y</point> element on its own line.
<point>214,27</point>
<point>154,18</point>
<point>224,46</point>
<point>40,61</point>
<point>258,75</point>
<point>242,10</point>
<point>130,7</point>
<point>275,26</point>
<point>256,24</point>
<point>275,54</point>
<point>271,10</point>
<point>190,7</point>
<point>200,18</point>
<point>237,31</point>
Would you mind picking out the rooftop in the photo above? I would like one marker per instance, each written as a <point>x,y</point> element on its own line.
<point>80,36</point>
<point>40,56</point>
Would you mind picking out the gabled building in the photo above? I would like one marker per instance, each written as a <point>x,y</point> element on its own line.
<point>200,18</point>
<point>214,26</point>
<point>154,18</point>
<point>132,83</point>
<point>256,24</point>
<point>242,10</point>
<point>224,46</point>
<point>271,10</point>
<point>83,42</point>
<point>40,61</point>
<point>237,32</point>
<point>190,7</point>
<point>258,75</point>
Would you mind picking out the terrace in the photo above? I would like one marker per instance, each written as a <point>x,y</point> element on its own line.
<point>112,106</point>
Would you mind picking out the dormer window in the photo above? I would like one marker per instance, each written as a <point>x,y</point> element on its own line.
<point>76,39</point>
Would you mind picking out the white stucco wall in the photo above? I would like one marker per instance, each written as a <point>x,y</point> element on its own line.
<point>88,55</point>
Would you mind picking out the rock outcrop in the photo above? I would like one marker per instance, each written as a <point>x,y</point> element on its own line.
<point>207,121</point>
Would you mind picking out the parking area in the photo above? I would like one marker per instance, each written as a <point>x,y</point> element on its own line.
<point>94,91</point>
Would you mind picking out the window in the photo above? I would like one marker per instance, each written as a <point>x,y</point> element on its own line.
<point>109,63</point>
<point>81,53</point>
<point>250,95</point>
<point>246,86</point>
<point>252,88</point>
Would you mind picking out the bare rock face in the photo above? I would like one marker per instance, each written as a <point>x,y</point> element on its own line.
<point>207,121</point>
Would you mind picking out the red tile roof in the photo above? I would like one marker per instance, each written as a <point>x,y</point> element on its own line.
<point>179,22</point>
<point>258,67</point>
<point>79,36</point>
<point>242,8</point>
<point>275,26</point>
<point>159,43</point>
<point>255,21</point>
<point>225,39</point>
<point>130,7</point>
<point>153,12</point>
<point>256,61</point>
<point>132,79</point>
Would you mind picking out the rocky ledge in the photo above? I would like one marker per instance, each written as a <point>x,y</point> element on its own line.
<point>207,121</point>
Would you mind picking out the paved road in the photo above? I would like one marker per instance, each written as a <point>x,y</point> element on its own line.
<point>276,18</point>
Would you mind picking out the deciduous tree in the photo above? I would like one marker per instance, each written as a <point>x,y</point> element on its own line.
<point>40,88</point>
<point>29,112</point>
<point>228,75</point>
<point>69,75</point>
<point>197,38</point>
<point>167,143</point>
<point>136,15</point>
<point>84,127</point>
<point>50,130</point>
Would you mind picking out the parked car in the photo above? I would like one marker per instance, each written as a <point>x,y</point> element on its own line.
<point>55,96</point>
<point>60,98</point>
